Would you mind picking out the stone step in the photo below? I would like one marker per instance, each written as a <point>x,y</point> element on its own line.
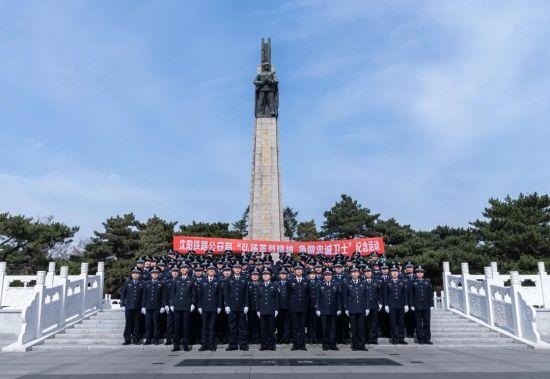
<point>77,334</point>
<point>112,341</point>
<point>281,347</point>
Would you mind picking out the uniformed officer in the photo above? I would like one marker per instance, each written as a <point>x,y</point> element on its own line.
<point>235,300</point>
<point>396,305</point>
<point>222,320</point>
<point>196,317</point>
<point>283,318</point>
<point>298,295</point>
<point>151,307</point>
<point>373,305</point>
<point>182,303</point>
<point>130,302</point>
<point>328,306</point>
<point>209,305</point>
<point>408,277</point>
<point>421,302</point>
<point>354,293</point>
<point>267,308</point>
<point>166,294</point>
<point>313,322</point>
<point>253,319</point>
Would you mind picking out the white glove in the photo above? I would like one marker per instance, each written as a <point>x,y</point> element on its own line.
<point>412,309</point>
<point>318,313</point>
<point>167,309</point>
<point>200,311</point>
<point>245,310</point>
<point>367,312</point>
<point>172,308</point>
<point>276,313</point>
<point>219,310</point>
<point>258,313</point>
<point>123,308</point>
<point>192,308</point>
<point>406,308</point>
<point>387,309</point>
<point>227,310</point>
<point>379,306</point>
<point>162,310</point>
<point>338,313</point>
<point>431,309</point>
<point>143,310</point>
<point>347,313</point>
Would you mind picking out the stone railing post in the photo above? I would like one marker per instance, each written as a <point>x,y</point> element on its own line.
<point>496,276</point>
<point>488,296</point>
<point>544,285</point>
<point>445,295</point>
<point>64,281</point>
<point>101,274</point>
<point>39,288</point>
<point>84,278</point>
<point>514,294</point>
<point>2,279</point>
<point>50,276</point>
<point>465,277</point>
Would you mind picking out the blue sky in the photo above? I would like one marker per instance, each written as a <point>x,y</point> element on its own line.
<point>421,111</point>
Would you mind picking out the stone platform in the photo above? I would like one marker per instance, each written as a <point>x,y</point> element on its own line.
<point>385,362</point>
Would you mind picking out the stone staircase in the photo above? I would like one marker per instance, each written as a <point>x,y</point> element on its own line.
<point>104,331</point>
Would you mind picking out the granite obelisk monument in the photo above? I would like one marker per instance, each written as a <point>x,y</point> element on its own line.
<point>265,212</point>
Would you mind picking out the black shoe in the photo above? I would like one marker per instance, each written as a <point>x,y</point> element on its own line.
<point>230,348</point>
<point>373,342</point>
<point>354,348</point>
<point>262,348</point>
<point>203,348</point>
<point>147,343</point>
<point>325,347</point>
<point>362,348</point>
<point>420,342</point>
<point>244,348</point>
<point>429,343</point>
<point>403,342</point>
<point>393,342</point>
<point>334,347</point>
<point>186,348</point>
<point>168,342</point>
<point>303,348</point>
<point>213,348</point>
<point>176,348</point>
<point>127,342</point>
<point>273,348</point>
<point>156,342</point>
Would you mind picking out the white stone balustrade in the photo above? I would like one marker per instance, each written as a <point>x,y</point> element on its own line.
<point>55,302</point>
<point>485,299</point>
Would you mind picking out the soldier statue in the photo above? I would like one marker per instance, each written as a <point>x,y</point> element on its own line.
<point>267,86</point>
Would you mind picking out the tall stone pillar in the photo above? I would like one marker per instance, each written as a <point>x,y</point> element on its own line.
<point>266,212</point>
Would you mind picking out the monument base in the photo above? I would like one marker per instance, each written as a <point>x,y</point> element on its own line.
<point>265,213</point>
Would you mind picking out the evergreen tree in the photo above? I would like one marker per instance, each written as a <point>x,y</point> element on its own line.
<point>155,236</point>
<point>348,219</point>
<point>290,222</point>
<point>25,243</point>
<point>205,229</point>
<point>516,228</point>
<point>307,231</point>
<point>241,226</point>
<point>120,240</point>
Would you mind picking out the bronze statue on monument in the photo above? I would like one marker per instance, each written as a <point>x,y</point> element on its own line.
<point>267,86</point>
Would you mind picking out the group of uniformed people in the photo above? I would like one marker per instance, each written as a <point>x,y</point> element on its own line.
<point>247,298</point>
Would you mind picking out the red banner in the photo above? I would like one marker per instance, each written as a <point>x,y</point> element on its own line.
<point>364,246</point>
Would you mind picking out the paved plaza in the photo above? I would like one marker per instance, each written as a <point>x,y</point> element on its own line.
<point>406,362</point>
